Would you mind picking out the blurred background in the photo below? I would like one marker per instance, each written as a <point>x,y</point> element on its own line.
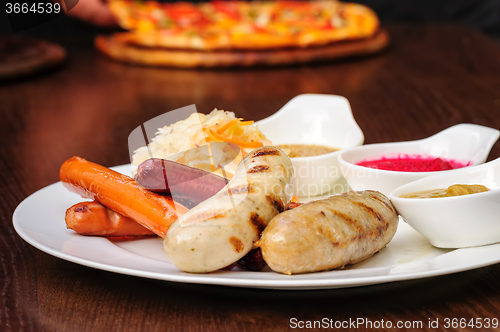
<point>483,15</point>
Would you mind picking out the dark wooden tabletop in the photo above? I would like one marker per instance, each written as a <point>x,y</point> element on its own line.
<point>432,77</point>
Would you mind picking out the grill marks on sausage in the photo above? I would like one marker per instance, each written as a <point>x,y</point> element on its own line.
<point>326,232</point>
<point>367,224</point>
<point>358,226</point>
<point>257,222</point>
<point>236,243</point>
<point>368,209</point>
<point>351,221</point>
<point>204,215</point>
<point>266,152</point>
<point>276,203</point>
<point>258,169</point>
<point>384,224</point>
<point>81,208</point>
<point>242,189</point>
<point>378,199</point>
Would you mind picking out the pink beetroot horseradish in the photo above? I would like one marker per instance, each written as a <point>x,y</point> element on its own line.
<point>413,163</point>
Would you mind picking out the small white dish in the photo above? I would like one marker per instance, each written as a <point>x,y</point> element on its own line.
<point>463,142</point>
<point>458,221</point>
<point>320,120</point>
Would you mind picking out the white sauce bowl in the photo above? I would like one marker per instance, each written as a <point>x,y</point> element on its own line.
<point>458,221</point>
<point>319,120</point>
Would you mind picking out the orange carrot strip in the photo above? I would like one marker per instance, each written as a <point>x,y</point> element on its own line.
<point>243,144</point>
<point>246,123</point>
<point>228,125</point>
<point>210,137</point>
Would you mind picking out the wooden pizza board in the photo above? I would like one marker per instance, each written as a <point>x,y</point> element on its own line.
<point>162,57</point>
<point>21,56</point>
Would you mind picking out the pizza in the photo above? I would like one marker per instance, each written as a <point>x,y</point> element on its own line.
<point>231,29</point>
<point>241,24</point>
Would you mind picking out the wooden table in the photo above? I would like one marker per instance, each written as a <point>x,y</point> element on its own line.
<point>434,76</point>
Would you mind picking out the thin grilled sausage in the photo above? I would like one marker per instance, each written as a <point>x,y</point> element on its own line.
<point>222,229</point>
<point>93,218</point>
<point>330,233</point>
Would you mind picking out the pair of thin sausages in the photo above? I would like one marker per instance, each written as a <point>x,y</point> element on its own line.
<point>122,207</point>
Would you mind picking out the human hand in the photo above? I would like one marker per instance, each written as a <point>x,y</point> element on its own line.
<point>95,12</point>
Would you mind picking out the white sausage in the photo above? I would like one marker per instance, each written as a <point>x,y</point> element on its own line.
<point>330,233</point>
<point>221,230</point>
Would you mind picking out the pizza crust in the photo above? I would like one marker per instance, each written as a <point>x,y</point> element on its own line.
<point>118,48</point>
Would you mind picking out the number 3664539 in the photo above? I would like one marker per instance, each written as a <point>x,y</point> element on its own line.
<point>35,8</point>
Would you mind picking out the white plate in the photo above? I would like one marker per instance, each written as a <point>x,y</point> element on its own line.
<point>39,220</point>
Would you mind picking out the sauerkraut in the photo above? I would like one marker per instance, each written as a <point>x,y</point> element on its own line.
<point>186,141</point>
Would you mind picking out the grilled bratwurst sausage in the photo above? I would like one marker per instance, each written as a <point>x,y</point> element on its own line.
<point>222,229</point>
<point>329,233</point>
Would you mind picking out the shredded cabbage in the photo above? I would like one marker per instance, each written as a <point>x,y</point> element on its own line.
<point>177,141</point>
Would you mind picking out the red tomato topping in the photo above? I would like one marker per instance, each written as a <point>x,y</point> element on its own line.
<point>294,4</point>
<point>183,11</point>
<point>230,9</point>
<point>327,26</point>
